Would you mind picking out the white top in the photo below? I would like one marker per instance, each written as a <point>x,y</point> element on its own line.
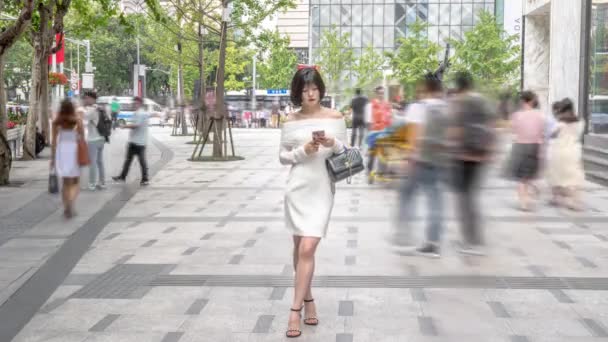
<point>91,116</point>
<point>309,193</point>
<point>139,135</point>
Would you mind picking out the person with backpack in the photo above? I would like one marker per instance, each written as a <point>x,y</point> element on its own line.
<point>472,135</point>
<point>358,106</point>
<point>426,165</point>
<point>98,130</point>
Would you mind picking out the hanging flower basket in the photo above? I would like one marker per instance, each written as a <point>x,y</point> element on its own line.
<point>57,78</point>
<point>11,125</point>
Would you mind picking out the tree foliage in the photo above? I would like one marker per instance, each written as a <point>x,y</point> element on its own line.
<point>415,56</point>
<point>277,61</point>
<point>237,61</point>
<point>368,68</point>
<point>335,58</point>
<point>490,54</point>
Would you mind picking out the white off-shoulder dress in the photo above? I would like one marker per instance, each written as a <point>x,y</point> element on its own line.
<point>309,195</point>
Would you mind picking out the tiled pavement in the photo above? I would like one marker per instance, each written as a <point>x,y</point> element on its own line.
<point>202,255</point>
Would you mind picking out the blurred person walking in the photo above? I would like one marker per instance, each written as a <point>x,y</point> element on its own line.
<point>565,165</point>
<point>425,167</point>
<point>528,126</point>
<point>473,137</point>
<point>114,110</point>
<point>138,139</point>
<point>67,130</point>
<point>308,138</point>
<point>358,106</point>
<point>380,119</point>
<point>98,130</point>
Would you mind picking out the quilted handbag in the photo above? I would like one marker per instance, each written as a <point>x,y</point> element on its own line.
<point>344,165</point>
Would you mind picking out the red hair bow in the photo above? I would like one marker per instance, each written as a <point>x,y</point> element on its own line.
<point>306,66</point>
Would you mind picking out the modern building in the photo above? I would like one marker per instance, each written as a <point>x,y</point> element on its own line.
<point>566,52</point>
<point>295,23</point>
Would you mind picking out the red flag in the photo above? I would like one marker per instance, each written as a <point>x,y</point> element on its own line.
<point>60,55</point>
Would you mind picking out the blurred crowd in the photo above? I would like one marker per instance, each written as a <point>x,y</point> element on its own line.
<point>444,139</point>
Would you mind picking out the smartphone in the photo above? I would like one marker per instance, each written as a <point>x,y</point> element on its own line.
<point>318,135</point>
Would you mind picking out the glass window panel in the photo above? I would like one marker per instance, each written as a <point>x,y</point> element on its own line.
<point>355,39</point>
<point>455,32</point>
<point>433,14</point>
<point>378,36</point>
<point>335,15</point>
<point>434,33</point>
<point>399,14</point>
<point>477,9</point>
<point>444,34</point>
<point>389,37</point>
<point>346,15</point>
<point>357,15</point>
<point>324,2</point>
<point>467,14</point>
<point>490,8</point>
<point>347,32</point>
<point>368,18</point>
<point>456,14</point>
<point>366,36</point>
<point>389,15</point>
<point>399,33</point>
<point>410,14</point>
<point>378,15</point>
<point>324,10</point>
<point>444,14</point>
<point>423,12</point>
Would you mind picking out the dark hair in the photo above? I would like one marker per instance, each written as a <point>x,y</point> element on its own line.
<point>358,91</point>
<point>378,88</point>
<point>529,96</point>
<point>431,83</point>
<point>464,81</point>
<point>66,117</point>
<point>91,94</point>
<point>301,79</point>
<point>566,111</point>
<point>556,106</point>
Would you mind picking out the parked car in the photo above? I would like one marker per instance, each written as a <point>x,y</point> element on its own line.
<point>155,112</point>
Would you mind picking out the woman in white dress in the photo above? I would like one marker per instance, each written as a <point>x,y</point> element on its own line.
<point>67,129</point>
<point>565,170</point>
<point>309,195</point>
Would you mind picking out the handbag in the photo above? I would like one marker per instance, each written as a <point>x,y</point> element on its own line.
<point>344,165</point>
<point>83,152</point>
<point>53,182</point>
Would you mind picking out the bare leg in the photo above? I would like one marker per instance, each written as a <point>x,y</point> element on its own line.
<point>574,202</point>
<point>522,190</point>
<point>306,249</point>
<point>65,196</point>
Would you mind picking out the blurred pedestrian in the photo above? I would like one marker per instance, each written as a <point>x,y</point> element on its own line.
<point>426,165</point>
<point>311,135</point>
<point>67,129</point>
<point>138,139</point>
<point>528,126</point>
<point>97,136</point>
<point>472,136</point>
<point>380,120</point>
<point>358,105</point>
<point>114,110</point>
<point>565,167</point>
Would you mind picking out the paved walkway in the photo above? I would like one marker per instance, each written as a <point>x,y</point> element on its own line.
<point>202,255</point>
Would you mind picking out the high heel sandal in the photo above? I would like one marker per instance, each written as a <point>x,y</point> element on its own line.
<point>310,320</point>
<point>297,332</point>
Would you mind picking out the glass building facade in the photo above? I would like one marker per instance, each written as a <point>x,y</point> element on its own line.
<point>380,23</point>
<point>598,68</point>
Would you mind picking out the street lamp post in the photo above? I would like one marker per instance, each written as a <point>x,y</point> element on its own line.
<point>311,8</point>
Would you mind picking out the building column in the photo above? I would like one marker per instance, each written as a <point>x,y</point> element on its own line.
<point>566,44</point>
<point>537,52</point>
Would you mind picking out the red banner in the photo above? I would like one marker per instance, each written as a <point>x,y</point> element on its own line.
<point>60,55</point>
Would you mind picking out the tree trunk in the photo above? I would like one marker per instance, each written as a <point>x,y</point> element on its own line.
<point>44,101</point>
<point>220,107</point>
<point>202,94</point>
<point>5,150</point>
<point>29,147</point>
